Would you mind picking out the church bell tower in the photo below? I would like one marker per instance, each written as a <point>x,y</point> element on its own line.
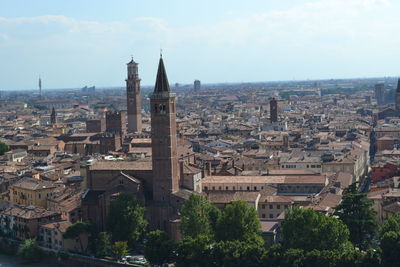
<point>164,140</point>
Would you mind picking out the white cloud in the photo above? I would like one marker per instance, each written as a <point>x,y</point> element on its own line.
<point>309,31</point>
<point>343,18</point>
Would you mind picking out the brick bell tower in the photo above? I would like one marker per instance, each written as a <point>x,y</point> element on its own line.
<point>134,103</point>
<point>163,138</point>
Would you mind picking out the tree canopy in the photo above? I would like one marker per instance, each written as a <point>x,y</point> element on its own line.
<point>103,245</point>
<point>159,248</point>
<point>30,251</point>
<point>390,241</point>
<point>356,212</point>
<point>126,220</point>
<point>76,230</point>
<point>120,249</point>
<point>307,229</point>
<point>239,222</point>
<point>194,252</point>
<point>198,217</point>
<point>236,253</point>
<point>3,148</point>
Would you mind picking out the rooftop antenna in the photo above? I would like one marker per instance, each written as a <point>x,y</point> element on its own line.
<point>161,52</point>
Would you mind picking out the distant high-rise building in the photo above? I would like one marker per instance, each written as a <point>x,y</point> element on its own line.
<point>40,87</point>
<point>133,98</point>
<point>380,93</point>
<point>53,116</point>
<point>197,85</point>
<point>398,96</point>
<point>273,108</point>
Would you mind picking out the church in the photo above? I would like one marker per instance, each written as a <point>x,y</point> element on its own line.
<point>163,181</point>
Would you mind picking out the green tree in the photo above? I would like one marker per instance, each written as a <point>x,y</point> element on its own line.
<point>103,244</point>
<point>355,211</point>
<point>391,224</point>
<point>3,148</point>
<point>308,230</point>
<point>390,245</point>
<point>30,251</point>
<point>198,217</point>
<point>77,231</point>
<point>390,241</point>
<point>236,253</point>
<point>194,252</point>
<point>239,221</point>
<point>159,248</point>
<point>126,220</point>
<point>120,249</point>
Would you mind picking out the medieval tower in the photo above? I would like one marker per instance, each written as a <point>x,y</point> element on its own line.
<point>164,152</point>
<point>163,135</point>
<point>273,106</point>
<point>133,99</point>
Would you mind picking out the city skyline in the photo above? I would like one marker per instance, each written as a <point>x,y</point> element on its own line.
<point>73,45</point>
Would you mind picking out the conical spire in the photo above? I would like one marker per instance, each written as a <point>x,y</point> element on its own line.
<point>398,86</point>
<point>162,84</point>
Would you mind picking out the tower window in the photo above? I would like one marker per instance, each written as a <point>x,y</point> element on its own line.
<point>162,109</point>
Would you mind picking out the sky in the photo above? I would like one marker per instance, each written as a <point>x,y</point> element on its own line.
<point>75,43</point>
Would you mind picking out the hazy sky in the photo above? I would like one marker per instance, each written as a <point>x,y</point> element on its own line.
<point>81,42</point>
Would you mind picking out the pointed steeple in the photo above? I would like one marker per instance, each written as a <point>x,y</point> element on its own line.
<point>162,84</point>
<point>398,86</point>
